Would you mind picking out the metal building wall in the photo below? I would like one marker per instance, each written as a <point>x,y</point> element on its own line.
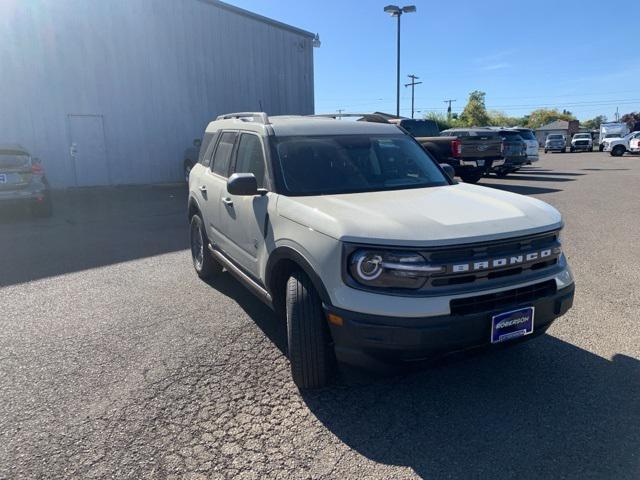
<point>155,72</point>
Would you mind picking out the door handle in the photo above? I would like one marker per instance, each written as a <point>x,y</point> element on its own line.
<point>227,201</point>
<point>203,188</point>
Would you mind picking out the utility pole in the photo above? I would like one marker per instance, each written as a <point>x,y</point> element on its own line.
<point>449,108</point>
<point>340,110</point>
<point>413,85</point>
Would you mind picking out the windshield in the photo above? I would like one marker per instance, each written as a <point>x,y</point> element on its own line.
<point>315,165</point>
<point>582,135</point>
<point>612,135</point>
<point>554,137</point>
<point>420,128</point>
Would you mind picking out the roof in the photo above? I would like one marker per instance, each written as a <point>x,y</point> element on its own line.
<point>291,125</point>
<point>13,148</point>
<point>557,125</point>
<point>260,18</point>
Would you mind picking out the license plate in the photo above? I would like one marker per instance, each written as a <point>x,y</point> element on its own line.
<point>481,163</point>
<point>3,178</point>
<point>512,324</point>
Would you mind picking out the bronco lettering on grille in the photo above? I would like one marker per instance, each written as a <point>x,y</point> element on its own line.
<point>501,261</point>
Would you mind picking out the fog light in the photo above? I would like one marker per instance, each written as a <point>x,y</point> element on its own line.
<point>335,320</point>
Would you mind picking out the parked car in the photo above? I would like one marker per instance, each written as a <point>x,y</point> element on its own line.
<point>23,181</point>
<point>634,145</point>
<point>533,146</point>
<point>472,152</point>
<point>618,146</point>
<point>514,151</point>
<point>190,158</point>
<point>555,142</point>
<point>581,141</point>
<point>612,130</point>
<point>370,253</point>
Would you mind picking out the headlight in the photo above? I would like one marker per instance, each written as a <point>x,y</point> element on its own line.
<point>390,269</point>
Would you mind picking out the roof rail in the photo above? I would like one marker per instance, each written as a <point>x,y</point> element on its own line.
<point>365,117</point>
<point>261,117</point>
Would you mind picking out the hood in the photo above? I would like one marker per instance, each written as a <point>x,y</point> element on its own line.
<point>446,215</point>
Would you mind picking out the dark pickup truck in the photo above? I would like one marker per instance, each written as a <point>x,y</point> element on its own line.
<point>471,152</point>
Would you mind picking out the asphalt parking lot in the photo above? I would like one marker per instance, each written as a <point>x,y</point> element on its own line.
<point>116,361</point>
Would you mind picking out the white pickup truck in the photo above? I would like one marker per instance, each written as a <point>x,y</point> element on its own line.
<point>617,146</point>
<point>581,141</point>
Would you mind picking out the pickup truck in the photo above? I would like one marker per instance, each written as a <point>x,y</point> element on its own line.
<point>471,152</point>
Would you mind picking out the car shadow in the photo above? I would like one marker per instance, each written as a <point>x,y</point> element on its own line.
<point>92,227</point>
<point>266,319</point>
<point>521,189</point>
<point>533,178</point>
<point>540,409</point>
<point>543,409</point>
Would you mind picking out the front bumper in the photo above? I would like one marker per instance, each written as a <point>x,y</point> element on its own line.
<point>582,147</point>
<point>373,341</point>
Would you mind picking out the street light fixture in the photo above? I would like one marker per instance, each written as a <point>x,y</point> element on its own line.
<point>396,11</point>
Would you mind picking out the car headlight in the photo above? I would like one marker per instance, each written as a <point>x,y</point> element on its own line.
<point>390,269</point>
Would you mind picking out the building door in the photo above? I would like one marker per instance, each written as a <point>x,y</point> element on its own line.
<point>88,151</point>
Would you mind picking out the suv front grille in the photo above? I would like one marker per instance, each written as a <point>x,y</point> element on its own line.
<point>516,296</point>
<point>488,261</point>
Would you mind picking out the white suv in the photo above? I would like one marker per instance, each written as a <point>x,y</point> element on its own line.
<point>365,246</point>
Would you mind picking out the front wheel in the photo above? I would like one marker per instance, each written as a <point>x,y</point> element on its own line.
<point>618,151</point>
<point>502,173</point>
<point>203,263</point>
<point>572,149</point>
<point>545,150</point>
<point>471,177</point>
<point>601,148</point>
<point>310,351</point>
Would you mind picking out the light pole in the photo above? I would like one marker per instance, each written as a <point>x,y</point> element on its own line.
<point>396,11</point>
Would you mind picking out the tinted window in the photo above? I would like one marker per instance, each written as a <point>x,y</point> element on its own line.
<point>555,137</point>
<point>354,163</point>
<point>420,128</point>
<point>527,135</point>
<point>223,153</point>
<point>250,158</point>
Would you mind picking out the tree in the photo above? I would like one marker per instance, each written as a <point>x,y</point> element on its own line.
<point>632,119</point>
<point>475,112</point>
<point>595,122</point>
<point>542,116</point>
<point>500,119</point>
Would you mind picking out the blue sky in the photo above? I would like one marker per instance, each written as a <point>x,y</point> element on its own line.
<point>570,54</point>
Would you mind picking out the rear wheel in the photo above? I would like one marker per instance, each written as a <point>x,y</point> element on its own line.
<point>618,151</point>
<point>310,351</point>
<point>601,147</point>
<point>204,264</point>
<point>545,150</point>
<point>471,177</point>
<point>572,149</point>
<point>502,173</point>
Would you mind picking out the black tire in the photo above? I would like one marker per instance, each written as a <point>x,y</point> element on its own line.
<point>502,173</point>
<point>618,151</point>
<point>309,345</point>
<point>600,147</point>
<point>471,177</point>
<point>545,150</point>
<point>203,263</point>
<point>43,209</point>
<point>188,165</point>
<point>572,150</point>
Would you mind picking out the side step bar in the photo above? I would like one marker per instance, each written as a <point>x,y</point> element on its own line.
<point>255,288</point>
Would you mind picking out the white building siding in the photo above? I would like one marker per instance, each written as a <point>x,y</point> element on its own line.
<point>155,71</point>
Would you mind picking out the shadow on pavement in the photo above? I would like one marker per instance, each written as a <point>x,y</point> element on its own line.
<point>544,409</point>
<point>518,176</point>
<point>92,228</point>
<point>521,189</point>
<point>605,169</point>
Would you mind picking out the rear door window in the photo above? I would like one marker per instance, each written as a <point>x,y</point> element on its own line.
<point>222,157</point>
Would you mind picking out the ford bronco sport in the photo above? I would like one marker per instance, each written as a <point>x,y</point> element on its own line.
<point>365,246</point>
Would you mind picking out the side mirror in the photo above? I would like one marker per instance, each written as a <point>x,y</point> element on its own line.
<point>242,184</point>
<point>197,142</point>
<point>449,170</point>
